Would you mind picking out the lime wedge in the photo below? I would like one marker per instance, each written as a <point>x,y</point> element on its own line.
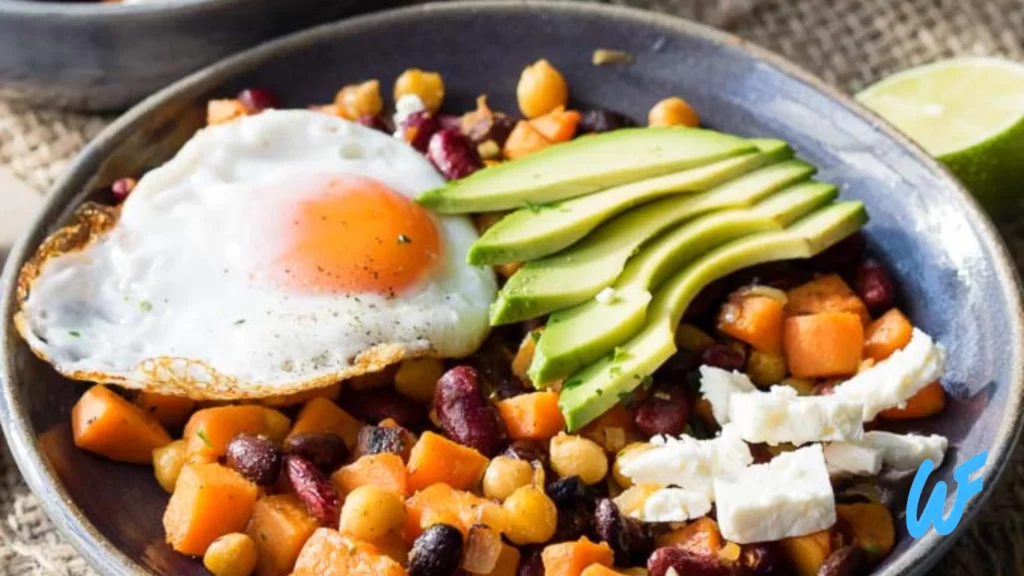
<point>968,113</point>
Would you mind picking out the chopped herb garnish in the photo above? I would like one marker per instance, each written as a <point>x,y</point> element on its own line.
<point>533,206</point>
<point>626,399</point>
<point>599,392</point>
<point>615,371</point>
<point>621,355</point>
<point>146,305</point>
<point>535,336</point>
<point>645,380</point>
<point>75,333</point>
<point>204,438</point>
<point>239,322</point>
<point>572,384</point>
<point>403,239</point>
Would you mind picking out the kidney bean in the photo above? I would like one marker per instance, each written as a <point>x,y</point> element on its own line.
<point>257,100</point>
<point>530,562</point>
<point>875,286</point>
<point>449,122</point>
<point>846,561</point>
<point>381,439</point>
<point>376,122</point>
<point>466,415</point>
<point>326,451</point>
<point>493,363</point>
<point>685,562</point>
<point>573,523</point>
<point>763,559</point>
<point>596,121</point>
<point>666,411</point>
<point>419,128</point>
<point>528,450</point>
<point>316,492</point>
<point>724,357</point>
<point>453,154</point>
<point>437,552</point>
<point>377,404</point>
<point>496,128</point>
<point>629,538</point>
<point>841,256</point>
<point>122,187</point>
<point>254,457</point>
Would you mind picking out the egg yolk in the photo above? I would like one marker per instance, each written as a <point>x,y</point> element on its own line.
<point>358,235</point>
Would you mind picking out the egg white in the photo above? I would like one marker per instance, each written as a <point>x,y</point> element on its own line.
<point>165,301</point>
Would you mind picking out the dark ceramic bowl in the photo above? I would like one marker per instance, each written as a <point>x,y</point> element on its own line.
<point>958,283</point>
<point>95,56</point>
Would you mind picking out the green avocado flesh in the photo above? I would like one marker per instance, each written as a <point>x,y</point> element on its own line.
<point>597,388</point>
<point>580,272</point>
<point>579,335</point>
<point>538,231</point>
<point>583,166</point>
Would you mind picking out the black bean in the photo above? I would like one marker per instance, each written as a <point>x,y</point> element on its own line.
<point>326,451</point>
<point>531,562</point>
<point>596,121</point>
<point>254,457</point>
<point>437,552</point>
<point>566,492</point>
<point>630,539</point>
<point>381,403</point>
<point>384,439</point>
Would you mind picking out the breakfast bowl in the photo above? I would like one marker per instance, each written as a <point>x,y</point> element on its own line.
<point>96,56</point>
<point>955,279</point>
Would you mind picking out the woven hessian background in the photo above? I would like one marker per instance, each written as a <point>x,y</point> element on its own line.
<point>850,43</point>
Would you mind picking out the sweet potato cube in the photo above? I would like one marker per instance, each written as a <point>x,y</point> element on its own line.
<point>209,501</point>
<point>280,527</point>
<point>385,470</point>
<point>572,558</point>
<point>171,411</point>
<point>889,333</point>
<point>328,553</point>
<point>210,430</point>
<point>106,424</point>
<point>436,459</point>
<point>320,415</point>
<point>828,293</point>
<point>824,345</point>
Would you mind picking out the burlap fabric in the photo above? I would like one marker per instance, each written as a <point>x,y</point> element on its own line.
<point>850,43</point>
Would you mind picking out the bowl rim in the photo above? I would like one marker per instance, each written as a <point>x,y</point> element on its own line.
<point>103,555</point>
<point>92,11</point>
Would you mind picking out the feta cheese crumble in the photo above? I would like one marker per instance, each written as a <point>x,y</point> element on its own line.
<point>719,385</point>
<point>893,381</point>
<point>780,415</point>
<point>789,496</point>
<point>406,106</point>
<point>674,505</point>
<point>854,458</point>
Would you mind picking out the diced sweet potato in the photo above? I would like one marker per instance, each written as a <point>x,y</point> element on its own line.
<point>756,320</point>
<point>534,416</point>
<point>823,345</point>
<point>889,333</point>
<point>441,504</point>
<point>871,525</point>
<point>523,141</point>
<point>807,553</point>
<point>559,125</point>
<point>572,558</point>
<point>171,411</point>
<point>280,527</point>
<point>828,293</point>
<point>106,424</point>
<point>209,501</point>
<point>210,430</point>
<point>385,470</point>
<point>322,415</point>
<point>436,459</point>
<point>700,537</point>
<point>928,401</point>
<point>524,354</point>
<point>329,553</point>
<point>221,111</point>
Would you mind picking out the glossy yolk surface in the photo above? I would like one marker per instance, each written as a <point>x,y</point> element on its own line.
<point>356,235</point>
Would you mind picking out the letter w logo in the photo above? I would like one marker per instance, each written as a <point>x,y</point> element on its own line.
<point>966,488</point>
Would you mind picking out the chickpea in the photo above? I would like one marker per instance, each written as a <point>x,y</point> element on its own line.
<point>231,555</point>
<point>167,463</point>
<point>418,377</point>
<point>505,475</point>
<point>541,89</point>
<point>532,516</point>
<point>278,425</point>
<point>578,456</point>
<point>766,368</point>
<point>372,514</point>
<point>427,86</point>
<point>673,112</point>
<point>357,100</point>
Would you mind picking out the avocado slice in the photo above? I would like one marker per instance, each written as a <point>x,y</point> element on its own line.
<point>537,231</point>
<point>577,336</point>
<point>578,273</point>
<point>598,387</point>
<point>584,166</point>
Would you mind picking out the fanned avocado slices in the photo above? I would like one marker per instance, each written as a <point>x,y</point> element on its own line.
<point>584,166</point>
<point>537,231</point>
<point>577,336</point>
<point>580,272</point>
<point>598,387</point>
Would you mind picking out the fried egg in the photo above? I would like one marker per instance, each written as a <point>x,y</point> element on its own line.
<point>273,254</point>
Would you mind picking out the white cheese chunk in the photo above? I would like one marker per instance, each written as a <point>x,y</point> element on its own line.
<point>406,106</point>
<point>789,496</point>
<point>719,385</point>
<point>843,458</point>
<point>674,505</point>
<point>780,415</point>
<point>686,462</point>
<point>606,296</point>
<point>893,381</point>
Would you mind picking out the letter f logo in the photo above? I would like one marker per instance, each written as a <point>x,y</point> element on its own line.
<point>932,515</point>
